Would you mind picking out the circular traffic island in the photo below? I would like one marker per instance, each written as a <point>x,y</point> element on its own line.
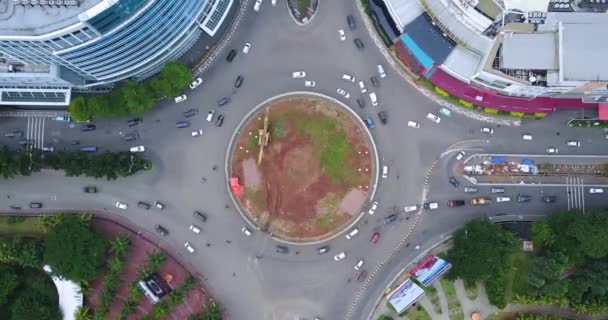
<point>301,167</point>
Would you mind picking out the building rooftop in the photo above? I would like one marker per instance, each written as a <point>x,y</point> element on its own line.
<point>534,51</point>
<point>584,56</point>
<point>31,20</point>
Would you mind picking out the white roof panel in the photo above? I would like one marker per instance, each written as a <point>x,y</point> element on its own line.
<point>529,51</point>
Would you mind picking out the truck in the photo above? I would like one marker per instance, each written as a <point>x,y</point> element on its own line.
<point>480,201</point>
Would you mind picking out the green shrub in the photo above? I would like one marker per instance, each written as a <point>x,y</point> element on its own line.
<point>465,103</point>
<point>490,110</point>
<point>441,92</point>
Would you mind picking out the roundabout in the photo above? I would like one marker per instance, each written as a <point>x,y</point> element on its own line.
<point>305,167</point>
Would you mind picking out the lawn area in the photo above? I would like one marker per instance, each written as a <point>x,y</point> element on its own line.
<point>431,292</point>
<point>302,6</point>
<point>471,291</point>
<point>30,226</point>
<point>454,309</point>
<point>516,275</point>
<point>417,313</point>
<point>331,142</point>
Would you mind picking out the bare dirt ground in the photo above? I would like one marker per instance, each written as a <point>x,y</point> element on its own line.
<point>290,194</point>
<point>140,247</point>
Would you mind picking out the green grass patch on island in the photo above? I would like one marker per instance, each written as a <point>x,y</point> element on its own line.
<point>454,309</point>
<point>331,144</point>
<point>517,274</point>
<point>30,226</point>
<point>417,313</point>
<point>329,207</point>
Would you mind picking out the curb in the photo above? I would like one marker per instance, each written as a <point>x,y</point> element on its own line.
<point>302,24</point>
<point>303,93</point>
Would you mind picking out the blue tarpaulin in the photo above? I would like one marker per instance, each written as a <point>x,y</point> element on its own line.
<point>499,160</point>
<point>528,162</point>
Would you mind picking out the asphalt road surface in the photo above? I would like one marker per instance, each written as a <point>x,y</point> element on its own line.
<point>246,274</point>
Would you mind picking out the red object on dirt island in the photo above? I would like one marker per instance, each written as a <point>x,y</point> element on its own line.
<point>236,187</point>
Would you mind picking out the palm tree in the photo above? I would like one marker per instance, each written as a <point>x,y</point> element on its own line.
<point>156,260</point>
<point>120,245</point>
<point>83,313</point>
<point>213,312</point>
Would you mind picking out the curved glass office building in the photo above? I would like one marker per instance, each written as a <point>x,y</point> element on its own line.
<point>48,47</point>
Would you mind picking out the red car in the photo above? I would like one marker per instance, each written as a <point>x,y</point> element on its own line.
<point>375,238</point>
<point>361,275</point>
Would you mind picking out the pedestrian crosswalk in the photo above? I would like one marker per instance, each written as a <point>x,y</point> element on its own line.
<point>34,135</point>
<point>575,189</point>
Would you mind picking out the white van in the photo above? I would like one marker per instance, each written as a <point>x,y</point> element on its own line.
<point>384,172</point>
<point>527,137</point>
<point>374,99</point>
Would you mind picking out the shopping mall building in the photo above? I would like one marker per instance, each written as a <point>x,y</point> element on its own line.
<point>48,48</point>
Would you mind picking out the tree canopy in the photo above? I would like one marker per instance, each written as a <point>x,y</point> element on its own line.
<point>73,250</point>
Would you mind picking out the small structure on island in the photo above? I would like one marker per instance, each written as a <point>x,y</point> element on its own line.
<point>70,294</point>
<point>475,316</point>
<point>154,287</point>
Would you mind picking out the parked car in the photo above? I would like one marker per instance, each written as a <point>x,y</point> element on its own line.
<point>159,205</point>
<point>90,189</point>
<point>200,215</point>
<point>161,230</point>
<point>323,250</point>
<point>411,208</point>
<point>460,155</point>
<point>340,256</point>
<point>352,233</point>
<point>143,205</point>
<point>359,44</point>
<point>523,198</point>
<point>246,48</point>
<point>470,189</point>
<point>189,247</point>
<point>526,137</point>
<point>197,82</point>
<point>88,127</point>
<point>497,190</point>
<point>487,130</point>
<point>190,113</point>
<point>219,121</point>
<point>37,205</point>
<point>454,182</point>
<point>246,231</point>
<point>413,124</point>
<point>298,74</point>
<point>375,238</point>
<point>433,118</point>
<point>342,34</point>
<point>181,98</point>
<point>480,201</point>
<point>310,84</point>
<point>282,249</point>
<point>351,22</point>
<point>223,101</point>
<point>134,122</point>
<point>359,264</point>
<point>383,117</point>
<point>137,149</point>
<point>231,55</point>
<point>373,207</point>
<point>239,81</point>
<point>194,229</point>
<point>197,133</point>
<point>551,150</point>
<point>343,93</point>
<point>390,219</point>
<point>596,190</point>
<point>182,124</point>
<point>121,205</point>
<point>503,199</point>
<point>431,205</point>
<point>455,203</point>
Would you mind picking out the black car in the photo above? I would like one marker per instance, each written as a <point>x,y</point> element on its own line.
<point>132,136</point>
<point>88,127</point>
<point>375,81</point>
<point>190,113</point>
<point>35,205</point>
<point>383,117</point>
<point>14,134</point>
<point>282,249</point>
<point>351,22</point>
<point>134,122</point>
<point>200,215</point>
<point>549,198</point>
<point>143,205</point>
<point>454,182</point>
<point>523,198</point>
<point>390,218</point>
<point>90,189</point>
<point>223,101</point>
<point>26,142</point>
<point>182,124</point>
<point>359,43</point>
<point>231,55</point>
<point>219,120</point>
<point>238,82</point>
<point>161,230</point>
<point>361,102</point>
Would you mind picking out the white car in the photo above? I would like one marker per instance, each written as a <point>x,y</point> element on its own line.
<point>137,149</point>
<point>181,98</point>
<point>340,256</point>
<point>374,99</point>
<point>359,264</point>
<point>411,208</point>
<point>343,93</point>
<point>573,143</point>
<point>352,233</point>
<point>373,208</point>
<point>348,77</point>
<point>503,199</point>
<point>342,34</point>
<point>526,136</point>
<point>246,231</point>
<point>273,2</point>
<point>384,172</point>
<point>552,150</point>
<point>413,124</point>
<point>257,5</point>
<point>197,133</point>
<point>197,82</point>
<point>362,86</point>
<point>121,205</point>
<point>189,247</point>
<point>194,229</point>
<point>460,155</point>
<point>381,71</point>
<point>210,115</point>
<point>310,84</point>
<point>298,74</point>
<point>246,48</point>
<point>446,112</point>
<point>596,190</point>
<point>433,118</point>
<point>487,130</point>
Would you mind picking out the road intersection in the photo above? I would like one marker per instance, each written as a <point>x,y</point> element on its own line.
<point>245,274</point>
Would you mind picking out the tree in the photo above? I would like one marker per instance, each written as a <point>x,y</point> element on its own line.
<point>73,250</point>
<point>30,304</point>
<point>9,281</point>
<point>79,110</point>
<point>590,231</point>
<point>545,275</point>
<point>100,106</point>
<point>178,75</point>
<point>138,98</point>
<point>8,165</point>
<point>590,283</point>
<point>120,245</point>
<point>21,251</point>
<point>83,313</point>
<point>161,87</point>
<point>542,233</point>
